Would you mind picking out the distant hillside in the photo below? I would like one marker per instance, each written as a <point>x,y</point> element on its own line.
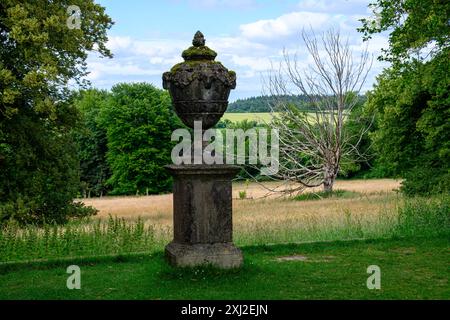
<point>261,104</point>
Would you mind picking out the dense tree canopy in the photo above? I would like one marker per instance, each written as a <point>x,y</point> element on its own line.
<point>412,97</point>
<point>139,122</point>
<point>39,56</point>
<point>91,140</point>
<point>56,144</point>
<point>263,103</point>
<point>418,28</point>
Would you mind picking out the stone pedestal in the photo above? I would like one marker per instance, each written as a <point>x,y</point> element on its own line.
<point>199,88</point>
<point>202,217</point>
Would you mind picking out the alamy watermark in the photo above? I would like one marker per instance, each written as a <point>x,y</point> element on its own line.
<point>74,19</point>
<point>238,147</point>
<point>374,280</point>
<point>74,280</point>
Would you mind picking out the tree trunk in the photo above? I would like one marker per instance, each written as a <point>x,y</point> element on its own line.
<point>328,180</point>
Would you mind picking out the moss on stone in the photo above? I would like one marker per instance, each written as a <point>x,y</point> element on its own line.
<point>202,52</point>
<point>193,63</point>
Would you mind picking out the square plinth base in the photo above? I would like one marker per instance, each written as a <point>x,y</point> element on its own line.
<point>220,255</point>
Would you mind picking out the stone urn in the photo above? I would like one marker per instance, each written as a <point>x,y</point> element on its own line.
<point>202,193</point>
<point>199,86</point>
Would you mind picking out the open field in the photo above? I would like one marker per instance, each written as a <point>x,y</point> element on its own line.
<point>315,249</point>
<point>259,117</point>
<point>374,194</point>
<point>263,117</point>
<point>144,224</point>
<point>410,269</point>
<point>263,218</point>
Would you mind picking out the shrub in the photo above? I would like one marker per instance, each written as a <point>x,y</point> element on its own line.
<point>424,217</point>
<point>426,181</point>
<point>39,170</point>
<point>324,194</point>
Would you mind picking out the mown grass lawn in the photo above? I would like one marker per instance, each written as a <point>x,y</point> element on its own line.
<point>410,269</point>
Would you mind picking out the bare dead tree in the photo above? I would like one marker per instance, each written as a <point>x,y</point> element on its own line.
<point>314,144</point>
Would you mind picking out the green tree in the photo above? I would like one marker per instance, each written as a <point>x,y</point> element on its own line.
<point>139,122</point>
<point>413,26</point>
<point>91,140</point>
<point>39,56</point>
<point>358,125</point>
<point>412,97</point>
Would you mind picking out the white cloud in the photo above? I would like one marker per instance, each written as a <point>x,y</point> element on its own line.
<point>118,43</point>
<point>284,25</point>
<point>148,48</point>
<point>250,52</point>
<point>254,63</point>
<point>109,68</point>
<point>143,59</point>
<point>236,45</point>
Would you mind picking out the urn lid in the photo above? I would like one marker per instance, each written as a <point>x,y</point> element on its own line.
<point>199,51</point>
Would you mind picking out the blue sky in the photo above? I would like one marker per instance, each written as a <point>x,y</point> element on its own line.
<point>249,35</point>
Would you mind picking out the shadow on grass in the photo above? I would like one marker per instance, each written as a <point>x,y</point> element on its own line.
<point>171,272</point>
<point>336,194</point>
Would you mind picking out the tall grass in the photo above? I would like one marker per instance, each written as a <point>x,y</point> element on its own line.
<point>324,195</point>
<point>412,217</point>
<point>417,217</point>
<point>424,217</point>
<point>345,226</point>
<point>114,236</point>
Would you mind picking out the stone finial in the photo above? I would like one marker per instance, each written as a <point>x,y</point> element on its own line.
<point>199,39</point>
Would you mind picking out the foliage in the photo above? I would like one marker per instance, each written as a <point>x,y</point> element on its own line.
<point>413,135</point>
<point>223,123</point>
<point>260,118</point>
<point>75,239</point>
<point>424,217</point>
<point>248,171</point>
<point>414,25</point>
<point>91,139</point>
<point>242,195</point>
<point>412,97</point>
<point>412,218</point>
<point>39,176</point>
<point>313,149</point>
<point>39,55</point>
<point>325,195</point>
<point>358,125</point>
<point>263,103</point>
<point>139,121</point>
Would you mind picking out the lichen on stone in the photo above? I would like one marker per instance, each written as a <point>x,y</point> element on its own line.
<point>199,65</point>
<point>193,63</point>
<point>199,39</point>
<point>184,73</point>
<point>199,53</point>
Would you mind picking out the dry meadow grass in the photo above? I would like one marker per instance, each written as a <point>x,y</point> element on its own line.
<point>265,215</point>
